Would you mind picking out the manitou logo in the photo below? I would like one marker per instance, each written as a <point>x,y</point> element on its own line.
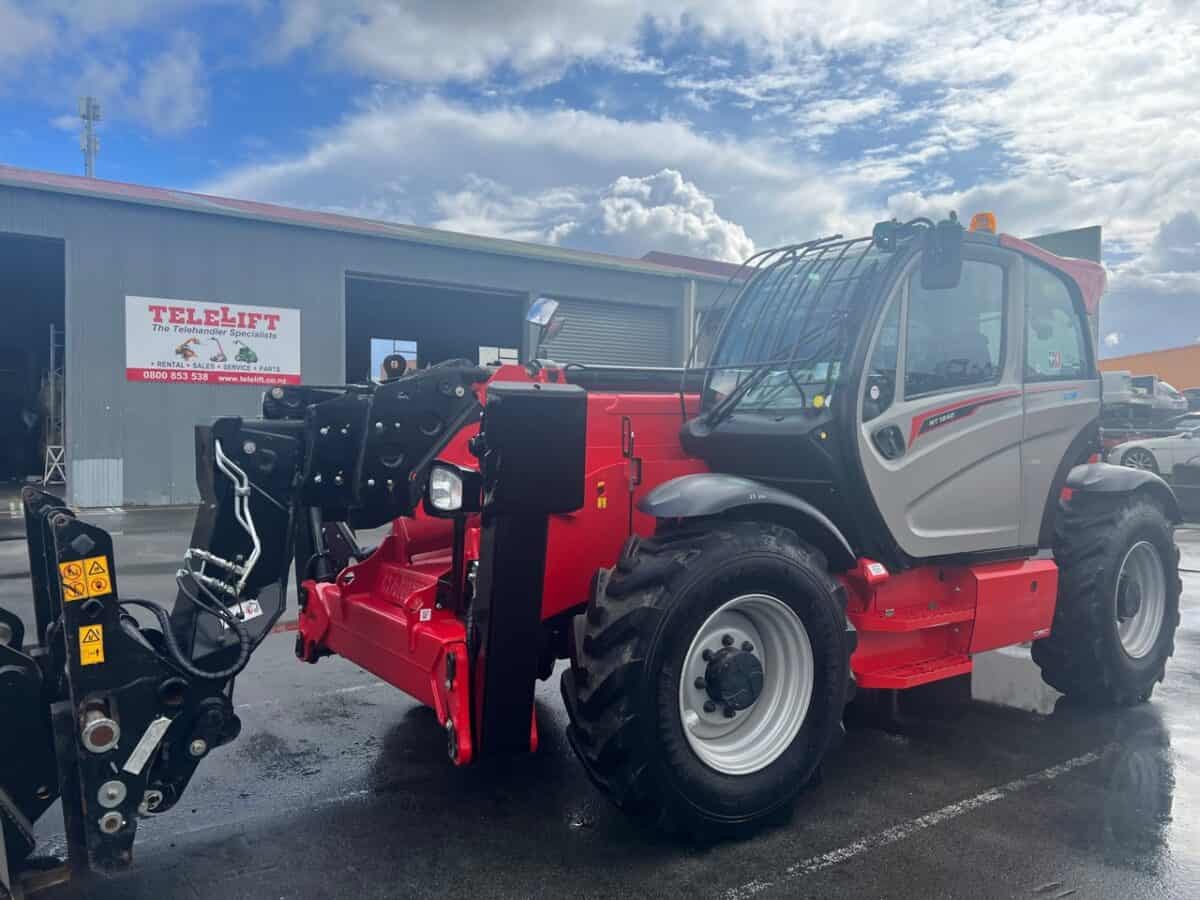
<point>211,317</point>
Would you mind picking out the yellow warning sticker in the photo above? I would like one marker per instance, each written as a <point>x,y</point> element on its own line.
<point>85,578</point>
<point>91,645</point>
<point>74,590</point>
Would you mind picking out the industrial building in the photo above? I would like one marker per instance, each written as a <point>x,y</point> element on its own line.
<point>1178,366</point>
<point>171,308</point>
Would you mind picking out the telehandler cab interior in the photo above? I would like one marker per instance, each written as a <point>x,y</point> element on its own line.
<point>881,470</point>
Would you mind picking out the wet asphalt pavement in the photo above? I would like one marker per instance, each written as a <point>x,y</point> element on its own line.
<point>339,787</point>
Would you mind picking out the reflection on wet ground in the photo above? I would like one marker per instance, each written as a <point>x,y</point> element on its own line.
<point>339,787</point>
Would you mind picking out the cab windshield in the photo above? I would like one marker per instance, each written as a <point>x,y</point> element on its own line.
<point>781,345</point>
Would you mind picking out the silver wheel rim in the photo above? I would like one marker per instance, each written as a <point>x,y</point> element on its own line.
<point>1141,571</point>
<point>755,736</point>
<point>1139,459</point>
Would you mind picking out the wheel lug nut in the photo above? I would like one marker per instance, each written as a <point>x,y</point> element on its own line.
<point>730,712</point>
<point>709,706</point>
<point>747,646</point>
<point>727,640</point>
<point>706,655</point>
<point>701,684</point>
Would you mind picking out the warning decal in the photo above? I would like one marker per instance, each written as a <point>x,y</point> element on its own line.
<point>85,578</point>
<point>91,645</point>
<point>74,586</point>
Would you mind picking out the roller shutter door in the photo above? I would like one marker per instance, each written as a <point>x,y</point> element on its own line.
<point>617,334</point>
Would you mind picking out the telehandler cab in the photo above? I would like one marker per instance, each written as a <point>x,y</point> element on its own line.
<point>881,470</point>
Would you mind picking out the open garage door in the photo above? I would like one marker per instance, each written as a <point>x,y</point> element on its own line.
<point>32,298</point>
<point>427,324</point>
<point>617,334</point>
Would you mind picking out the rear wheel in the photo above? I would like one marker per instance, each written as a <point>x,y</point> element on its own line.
<point>1118,599</point>
<point>1140,458</point>
<point>709,675</point>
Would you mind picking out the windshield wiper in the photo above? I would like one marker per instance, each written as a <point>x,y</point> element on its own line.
<point>722,410</point>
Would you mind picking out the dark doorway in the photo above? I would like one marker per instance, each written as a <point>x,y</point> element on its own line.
<point>431,322</point>
<point>33,298</point>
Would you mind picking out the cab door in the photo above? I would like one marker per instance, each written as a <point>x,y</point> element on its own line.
<point>1062,393</point>
<point>940,409</point>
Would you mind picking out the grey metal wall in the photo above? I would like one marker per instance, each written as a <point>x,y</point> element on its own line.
<point>132,442</point>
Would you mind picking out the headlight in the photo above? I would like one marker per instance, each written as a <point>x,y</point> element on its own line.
<point>445,489</point>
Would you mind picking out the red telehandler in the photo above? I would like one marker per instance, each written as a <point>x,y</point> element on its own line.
<point>881,470</point>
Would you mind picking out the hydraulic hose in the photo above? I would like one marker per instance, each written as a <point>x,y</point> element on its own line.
<point>176,654</point>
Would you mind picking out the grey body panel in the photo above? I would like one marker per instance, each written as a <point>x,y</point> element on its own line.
<point>1103,478</point>
<point>1055,413</point>
<point>957,486</point>
<point>714,494</point>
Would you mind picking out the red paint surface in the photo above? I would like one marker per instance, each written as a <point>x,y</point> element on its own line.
<point>914,627</point>
<point>373,614</point>
<point>923,625</point>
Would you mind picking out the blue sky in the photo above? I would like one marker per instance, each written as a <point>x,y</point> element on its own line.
<point>695,126</point>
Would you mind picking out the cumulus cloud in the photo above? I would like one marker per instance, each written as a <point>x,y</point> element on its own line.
<point>1112,339</point>
<point>632,215</point>
<point>520,159</point>
<point>665,212</point>
<point>1176,247</point>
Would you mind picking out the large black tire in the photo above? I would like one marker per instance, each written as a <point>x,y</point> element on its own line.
<point>623,688</point>
<point>1083,657</point>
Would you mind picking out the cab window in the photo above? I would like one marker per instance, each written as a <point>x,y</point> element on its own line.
<point>955,336</point>
<point>881,375</point>
<point>1055,344</point>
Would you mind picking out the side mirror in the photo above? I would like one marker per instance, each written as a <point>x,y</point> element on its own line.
<point>542,313</point>
<point>941,263</point>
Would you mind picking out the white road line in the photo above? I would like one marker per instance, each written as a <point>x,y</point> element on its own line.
<point>906,829</point>
<point>354,688</point>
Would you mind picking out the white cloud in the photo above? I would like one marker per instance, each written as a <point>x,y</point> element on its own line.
<point>1112,339</point>
<point>172,96</point>
<point>520,158</point>
<point>22,35</point>
<point>629,217</point>
<point>1097,99</point>
<point>665,212</point>
<point>69,48</point>
<point>825,117</point>
<point>484,206</point>
<point>431,41</point>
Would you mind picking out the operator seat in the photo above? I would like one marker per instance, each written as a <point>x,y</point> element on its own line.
<point>965,357</point>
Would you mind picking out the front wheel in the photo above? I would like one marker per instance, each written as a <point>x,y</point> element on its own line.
<point>709,676</point>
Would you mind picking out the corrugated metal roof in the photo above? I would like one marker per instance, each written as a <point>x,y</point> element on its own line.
<point>33,179</point>
<point>715,267</point>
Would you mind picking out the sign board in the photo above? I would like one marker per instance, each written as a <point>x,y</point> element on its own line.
<point>198,342</point>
